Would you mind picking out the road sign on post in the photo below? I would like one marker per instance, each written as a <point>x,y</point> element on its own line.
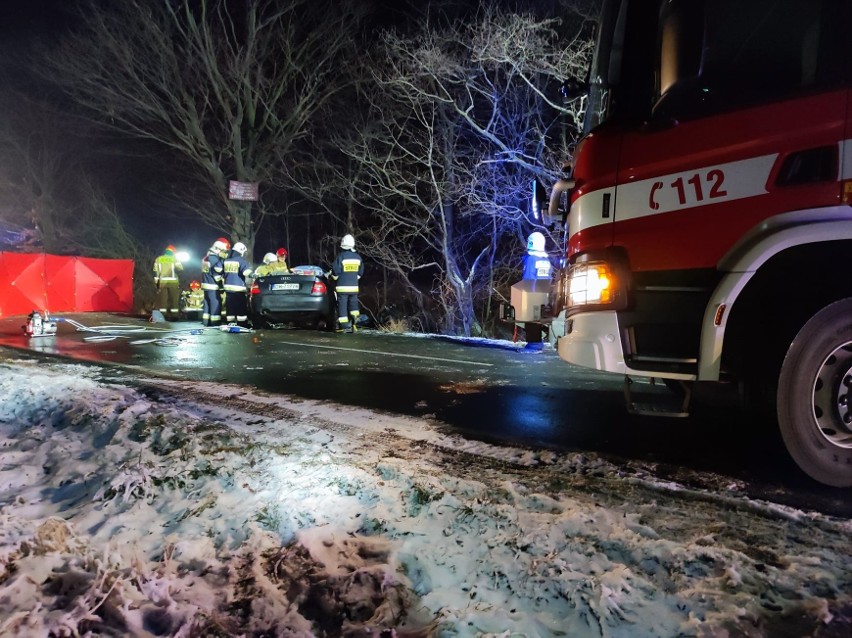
<point>244,191</point>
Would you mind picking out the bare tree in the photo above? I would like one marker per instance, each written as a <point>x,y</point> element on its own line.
<point>225,87</point>
<point>45,187</point>
<point>463,118</point>
<point>34,172</point>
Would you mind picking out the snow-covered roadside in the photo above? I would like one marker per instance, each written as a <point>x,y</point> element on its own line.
<point>214,512</point>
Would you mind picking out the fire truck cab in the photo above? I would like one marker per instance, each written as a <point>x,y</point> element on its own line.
<point>710,221</point>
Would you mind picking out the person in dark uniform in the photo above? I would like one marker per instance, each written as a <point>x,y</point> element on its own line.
<point>347,269</point>
<point>537,265</point>
<point>236,272</point>
<point>211,281</point>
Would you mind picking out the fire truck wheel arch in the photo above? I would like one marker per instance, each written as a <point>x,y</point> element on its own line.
<point>814,400</point>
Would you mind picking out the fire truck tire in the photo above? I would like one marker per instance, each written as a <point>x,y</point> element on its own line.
<point>814,401</point>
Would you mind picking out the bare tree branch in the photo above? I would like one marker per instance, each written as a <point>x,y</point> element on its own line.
<point>463,116</point>
<point>226,90</point>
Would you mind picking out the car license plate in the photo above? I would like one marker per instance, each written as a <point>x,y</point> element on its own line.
<point>285,286</point>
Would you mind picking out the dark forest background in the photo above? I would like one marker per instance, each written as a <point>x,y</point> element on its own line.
<point>417,127</point>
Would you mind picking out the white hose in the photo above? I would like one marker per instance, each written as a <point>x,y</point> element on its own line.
<point>112,332</point>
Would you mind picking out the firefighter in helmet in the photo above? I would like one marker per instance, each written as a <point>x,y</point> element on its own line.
<point>192,300</point>
<point>237,270</point>
<point>537,262</point>
<point>166,269</point>
<point>269,259</point>
<point>281,267</point>
<point>212,277</point>
<point>347,269</point>
<point>537,265</point>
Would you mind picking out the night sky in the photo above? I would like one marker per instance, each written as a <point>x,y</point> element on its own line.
<point>20,20</point>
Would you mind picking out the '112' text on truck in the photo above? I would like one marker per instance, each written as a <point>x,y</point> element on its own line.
<point>710,223</point>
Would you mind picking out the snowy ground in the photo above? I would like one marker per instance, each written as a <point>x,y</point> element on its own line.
<point>173,509</point>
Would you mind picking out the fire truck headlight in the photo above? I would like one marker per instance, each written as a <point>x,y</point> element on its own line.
<point>591,283</point>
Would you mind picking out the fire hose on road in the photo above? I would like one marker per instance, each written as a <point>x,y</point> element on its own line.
<point>39,325</point>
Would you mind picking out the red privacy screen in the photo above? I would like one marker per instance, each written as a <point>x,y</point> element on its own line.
<point>50,283</point>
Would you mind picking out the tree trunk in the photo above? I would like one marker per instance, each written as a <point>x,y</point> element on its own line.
<point>242,228</point>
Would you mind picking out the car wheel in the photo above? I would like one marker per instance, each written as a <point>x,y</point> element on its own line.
<point>814,398</point>
<point>321,324</point>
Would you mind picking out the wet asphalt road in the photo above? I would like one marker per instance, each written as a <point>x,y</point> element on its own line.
<point>492,393</point>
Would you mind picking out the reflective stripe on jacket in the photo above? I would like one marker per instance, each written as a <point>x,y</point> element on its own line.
<point>166,268</point>
<point>278,268</point>
<point>262,271</point>
<point>236,269</point>
<point>273,268</point>
<point>537,265</point>
<point>211,271</point>
<point>347,270</point>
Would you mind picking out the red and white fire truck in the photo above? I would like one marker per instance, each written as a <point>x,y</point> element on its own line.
<point>710,220</point>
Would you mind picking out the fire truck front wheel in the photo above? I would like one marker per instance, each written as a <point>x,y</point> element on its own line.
<point>814,398</point>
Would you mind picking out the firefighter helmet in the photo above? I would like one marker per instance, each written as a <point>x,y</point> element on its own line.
<point>171,249</point>
<point>535,242</point>
<point>282,252</point>
<point>194,285</point>
<point>268,258</point>
<point>240,248</point>
<point>221,245</point>
<point>348,242</point>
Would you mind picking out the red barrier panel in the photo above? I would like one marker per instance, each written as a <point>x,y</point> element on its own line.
<point>59,274</point>
<point>22,287</point>
<point>37,281</point>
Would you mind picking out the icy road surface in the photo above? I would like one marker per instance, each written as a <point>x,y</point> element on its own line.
<point>487,391</point>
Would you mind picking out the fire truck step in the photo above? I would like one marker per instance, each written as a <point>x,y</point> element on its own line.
<point>670,408</point>
<point>672,404</point>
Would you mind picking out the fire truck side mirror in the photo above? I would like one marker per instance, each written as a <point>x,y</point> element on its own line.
<point>539,202</point>
<point>554,211</point>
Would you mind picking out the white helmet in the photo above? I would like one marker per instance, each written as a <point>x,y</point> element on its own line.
<point>535,242</point>
<point>240,248</point>
<point>268,258</point>
<point>219,246</point>
<point>348,242</point>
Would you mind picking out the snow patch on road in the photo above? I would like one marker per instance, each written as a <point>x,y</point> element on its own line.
<point>211,510</point>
